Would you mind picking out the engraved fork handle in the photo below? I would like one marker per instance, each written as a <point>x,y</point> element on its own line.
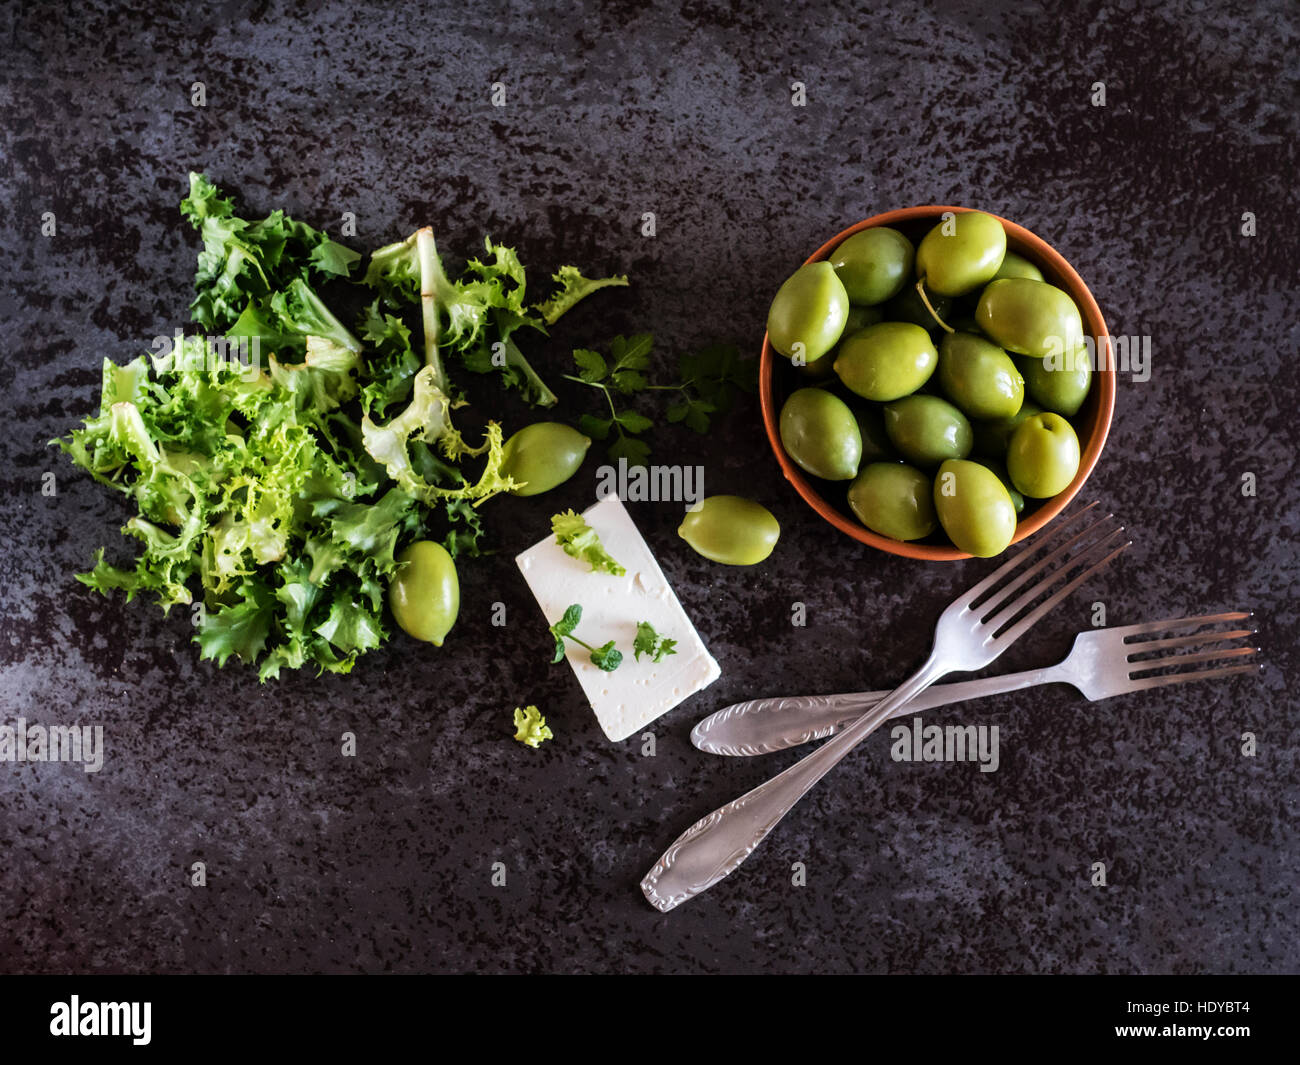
<point>761,726</point>
<point>716,845</point>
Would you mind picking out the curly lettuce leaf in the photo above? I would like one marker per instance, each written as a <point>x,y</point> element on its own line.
<point>530,726</point>
<point>579,540</point>
<point>573,288</point>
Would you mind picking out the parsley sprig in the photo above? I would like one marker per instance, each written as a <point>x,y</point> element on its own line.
<point>708,381</point>
<point>650,643</point>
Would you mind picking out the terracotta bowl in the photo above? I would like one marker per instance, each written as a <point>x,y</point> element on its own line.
<point>777,379</point>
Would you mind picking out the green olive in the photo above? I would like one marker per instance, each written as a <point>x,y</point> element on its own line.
<point>926,430</point>
<point>886,361</point>
<point>1017,500</point>
<point>1043,456</point>
<point>1014,265</point>
<point>730,529</point>
<point>894,500</point>
<point>1029,317</point>
<point>543,455</point>
<point>424,594</point>
<point>874,264</point>
<point>979,377</point>
<point>858,319</point>
<point>961,253</point>
<point>908,307</point>
<point>1059,385</point>
<point>807,316</point>
<point>992,438</point>
<point>974,508</point>
<point>820,433</point>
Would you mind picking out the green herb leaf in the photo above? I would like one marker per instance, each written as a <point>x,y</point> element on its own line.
<point>694,413</point>
<point>634,422</point>
<point>651,643</point>
<point>590,364</point>
<point>568,621</point>
<point>606,657</point>
<point>637,452</point>
<point>631,353</point>
<point>596,428</point>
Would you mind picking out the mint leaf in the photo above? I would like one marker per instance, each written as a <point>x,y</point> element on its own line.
<point>606,657</point>
<point>568,621</point>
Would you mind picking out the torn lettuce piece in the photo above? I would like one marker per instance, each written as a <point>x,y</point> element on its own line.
<point>573,288</point>
<point>425,419</point>
<point>530,726</point>
<point>579,540</point>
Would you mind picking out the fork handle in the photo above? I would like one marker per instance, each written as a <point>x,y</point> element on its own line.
<point>716,845</point>
<point>761,726</point>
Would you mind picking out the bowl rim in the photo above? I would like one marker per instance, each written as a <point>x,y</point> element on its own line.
<point>1042,253</point>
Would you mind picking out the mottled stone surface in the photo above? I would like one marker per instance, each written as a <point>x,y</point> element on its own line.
<point>382,862</point>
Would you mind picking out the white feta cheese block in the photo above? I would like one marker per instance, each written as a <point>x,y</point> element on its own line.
<point>636,693</point>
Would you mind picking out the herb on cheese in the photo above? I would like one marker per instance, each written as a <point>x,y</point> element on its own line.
<point>651,643</point>
<point>580,541</point>
<point>604,657</point>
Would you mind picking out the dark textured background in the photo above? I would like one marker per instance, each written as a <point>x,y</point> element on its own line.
<point>382,862</point>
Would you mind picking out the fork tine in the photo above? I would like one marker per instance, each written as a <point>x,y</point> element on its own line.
<point>1019,628</point>
<point>1168,661</point>
<point>1010,566</point>
<point>1178,623</point>
<point>1144,646</point>
<point>1000,596</point>
<point>1039,587</point>
<point>1190,675</point>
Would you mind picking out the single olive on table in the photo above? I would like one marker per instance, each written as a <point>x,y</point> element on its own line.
<point>933,377</point>
<point>543,456</point>
<point>730,529</point>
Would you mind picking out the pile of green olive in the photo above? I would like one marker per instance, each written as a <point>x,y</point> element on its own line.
<point>936,381</point>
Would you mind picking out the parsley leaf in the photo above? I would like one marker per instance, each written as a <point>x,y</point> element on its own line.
<point>651,643</point>
<point>592,365</point>
<point>709,380</point>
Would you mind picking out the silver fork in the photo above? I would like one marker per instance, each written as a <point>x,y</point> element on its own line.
<point>970,634</point>
<point>1102,663</point>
